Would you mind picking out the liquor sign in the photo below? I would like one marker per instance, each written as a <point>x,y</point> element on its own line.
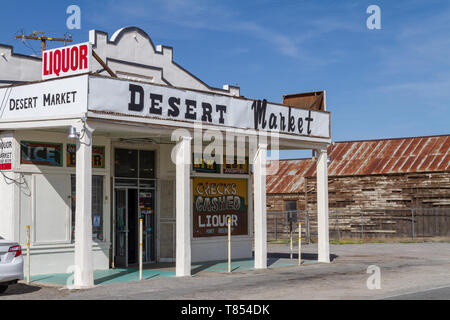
<point>205,165</point>
<point>215,200</point>
<point>66,61</point>
<point>237,167</point>
<point>41,153</point>
<point>6,151</point>
<point>98,156</point>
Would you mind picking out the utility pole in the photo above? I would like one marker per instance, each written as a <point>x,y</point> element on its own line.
<point>40,36</point>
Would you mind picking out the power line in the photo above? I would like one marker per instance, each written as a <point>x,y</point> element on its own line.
<point>39,35</point>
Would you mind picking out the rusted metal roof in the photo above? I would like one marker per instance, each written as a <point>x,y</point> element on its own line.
<point>290,176</point>
<point>356,158</point>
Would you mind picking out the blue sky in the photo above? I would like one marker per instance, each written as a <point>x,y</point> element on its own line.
<point>393,82</point>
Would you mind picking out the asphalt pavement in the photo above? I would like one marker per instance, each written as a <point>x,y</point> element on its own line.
<point>357,271</point>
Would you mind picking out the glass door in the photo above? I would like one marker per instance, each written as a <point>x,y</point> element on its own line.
<point>121,254</point>
<point>147,213</point>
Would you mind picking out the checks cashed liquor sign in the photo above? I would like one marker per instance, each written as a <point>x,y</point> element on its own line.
<point>216,200</point>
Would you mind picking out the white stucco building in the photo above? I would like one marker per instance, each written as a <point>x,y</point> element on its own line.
<point>83,195</point>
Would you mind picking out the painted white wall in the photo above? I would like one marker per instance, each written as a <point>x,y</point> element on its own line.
<point>7,205</point>
<point>7,195</point>
<point>166,205</point>
<point>16,67</point>
<point>58,259</point>
<point>216,248</point>
<point>131,54</point>
<point>52,250</point>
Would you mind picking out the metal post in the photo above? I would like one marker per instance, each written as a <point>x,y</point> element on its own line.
<point>362,227</point>
<point>290,238</point>
<point>337,223</point>
<point>308,231</point>
<point>299,243</point>
<point>412,223</point>
<point>140,248</point>
<point>276,227</point>
<point>28,254</point>
<point>229,244</point>
<point>287,228</point>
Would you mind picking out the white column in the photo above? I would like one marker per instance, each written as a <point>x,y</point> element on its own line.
<point>183,207</point>
<point>260,218</point>
<point>83,272</point>
<point>322,206</point>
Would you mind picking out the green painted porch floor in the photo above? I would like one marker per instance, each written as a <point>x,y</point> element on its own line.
<point>162,270</point>
<point>104,276</point>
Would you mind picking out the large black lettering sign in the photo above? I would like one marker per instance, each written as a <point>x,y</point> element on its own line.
<point>188,106</point>
<point>172,107</point>
<point>279,121</point>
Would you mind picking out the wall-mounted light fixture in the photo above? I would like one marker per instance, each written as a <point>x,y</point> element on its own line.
<point>73,134</point>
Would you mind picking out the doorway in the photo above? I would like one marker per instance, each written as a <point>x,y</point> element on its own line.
<point>134,193</point>
<point>131,205</point>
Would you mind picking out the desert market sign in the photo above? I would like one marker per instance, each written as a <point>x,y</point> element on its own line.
<point>69,97</point>
<point>155,101</point>
<point>44,100</point>
<point>215,201</point>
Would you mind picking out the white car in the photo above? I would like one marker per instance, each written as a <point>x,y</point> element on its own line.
<point>11,263</point>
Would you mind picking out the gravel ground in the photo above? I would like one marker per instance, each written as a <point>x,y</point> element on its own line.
<point>408,271</point>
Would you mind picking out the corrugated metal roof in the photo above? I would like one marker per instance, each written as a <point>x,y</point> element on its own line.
<point>354,158</point>
<point>290,176</point>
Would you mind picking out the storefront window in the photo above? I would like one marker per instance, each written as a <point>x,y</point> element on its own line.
<point>146,164</point>
<point>97,207</point>
<point>126,163</point>
<point>134,164</point>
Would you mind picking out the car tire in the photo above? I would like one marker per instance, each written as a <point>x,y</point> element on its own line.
<point>3,288</point>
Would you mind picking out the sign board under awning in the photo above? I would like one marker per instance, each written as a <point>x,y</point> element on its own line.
<point>43,100</point>
<point>148,100</point>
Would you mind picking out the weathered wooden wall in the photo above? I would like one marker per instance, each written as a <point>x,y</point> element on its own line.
<point>374,206</point>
